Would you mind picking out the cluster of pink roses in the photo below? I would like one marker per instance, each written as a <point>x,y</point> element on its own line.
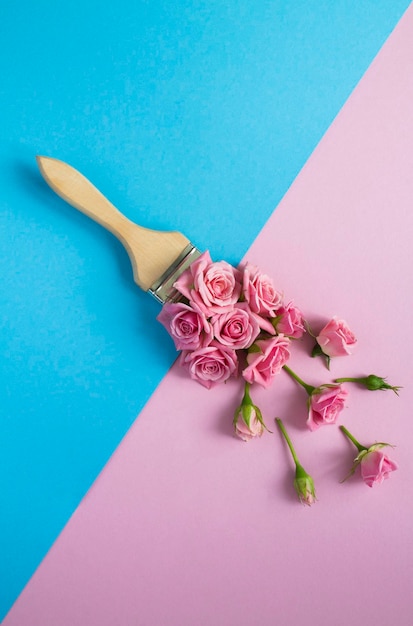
<point>231,319</point>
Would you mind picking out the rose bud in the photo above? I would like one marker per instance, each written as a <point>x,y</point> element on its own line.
<point>304,486</point>
<point>375,465</point>
<point>303,483</point>
<point>248,422</point>
<point>372,382</point>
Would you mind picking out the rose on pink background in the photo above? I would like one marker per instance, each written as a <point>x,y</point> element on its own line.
<point>213,286</point>
<point>376,466</point>
<point>211,364</point>
<point>237,328</point>
<point>247,423</point>
<point>259,291</point>
<point>267,361</point>
<point>291,322</point>
<point>188,328</point>
<point>336,338</point>
<point>305,489</point>
<point>325,405</point>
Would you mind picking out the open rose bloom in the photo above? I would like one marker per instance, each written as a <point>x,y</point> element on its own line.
<point>210,365</point>
<point>230,321</point>
<point>290,321</point>
<point>375,465</point>
<point>336,338</point>
<point>267,361</point>
<point>187,326</point>
<point>324,405</point>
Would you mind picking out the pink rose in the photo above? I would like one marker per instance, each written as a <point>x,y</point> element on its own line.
<point>375,466</point>
<point>188,328</point>
<point>336,339</point>
<point>291,321</point>
<point>211,364</point>
<point>237,328</point>
<point>324,405</point>
<point>247,423</point>
<point>265,363</point>
<point>213,287</point>
<point>259,291</point>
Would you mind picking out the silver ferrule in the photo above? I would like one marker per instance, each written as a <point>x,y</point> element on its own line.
<point>163,289</point>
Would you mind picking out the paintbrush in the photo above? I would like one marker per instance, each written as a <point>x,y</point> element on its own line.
<point>158,258</point>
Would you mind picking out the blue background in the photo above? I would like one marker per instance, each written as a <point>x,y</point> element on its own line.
<point>188,115</point>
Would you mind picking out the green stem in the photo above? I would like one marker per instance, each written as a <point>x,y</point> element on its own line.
<point>349,380</point>
<point>288,440</point>
<point>309,388</point>
<point>358,445</point>
<point>247,398</point>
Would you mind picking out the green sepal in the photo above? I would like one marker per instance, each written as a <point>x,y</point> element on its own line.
<point>309,329</point>
<point>275,320</point>
<point>317,351</point>
<point>380,444</point>
<point>303,484</point>
<point>261,419</point>
<point>356,463</point>
<point>247,410</point>
<point>374,383</point>
<point>254,348</point>
<point>300,471</point>
<point>236,413</point>
<point>246,407</point>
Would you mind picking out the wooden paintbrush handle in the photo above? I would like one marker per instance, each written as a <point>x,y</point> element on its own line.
<point>151,252</point>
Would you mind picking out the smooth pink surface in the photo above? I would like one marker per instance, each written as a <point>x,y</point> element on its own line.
<point>188,525</point>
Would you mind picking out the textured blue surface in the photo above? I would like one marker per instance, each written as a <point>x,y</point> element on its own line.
<point>188,115</point>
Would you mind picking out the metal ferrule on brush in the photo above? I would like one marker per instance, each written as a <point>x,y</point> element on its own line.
<point>163,289</point>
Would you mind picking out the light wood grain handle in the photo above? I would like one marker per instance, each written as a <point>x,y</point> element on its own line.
<point>151,252</point>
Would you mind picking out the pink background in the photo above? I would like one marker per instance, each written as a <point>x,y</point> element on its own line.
<point>186,524</point>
